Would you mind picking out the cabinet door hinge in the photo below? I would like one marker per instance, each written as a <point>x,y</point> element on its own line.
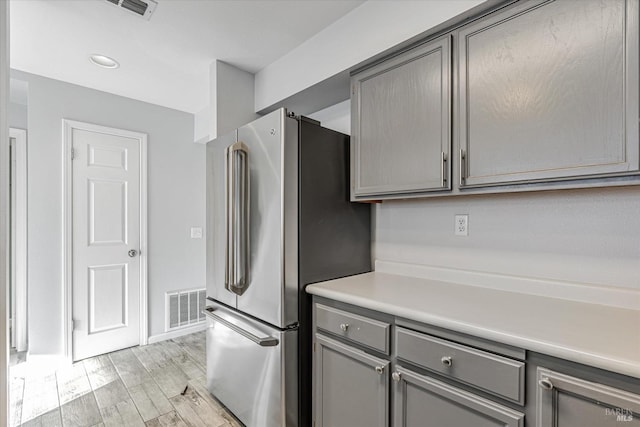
<point>314,347</point>
<point>73,153</point>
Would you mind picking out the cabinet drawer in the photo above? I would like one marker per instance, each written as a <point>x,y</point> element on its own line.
<point>494,374</point>
<point>359,329</point>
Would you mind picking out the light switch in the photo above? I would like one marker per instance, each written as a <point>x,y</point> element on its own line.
<point>196,232</point>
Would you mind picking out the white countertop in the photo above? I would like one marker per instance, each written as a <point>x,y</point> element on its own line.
<point>597,335</point>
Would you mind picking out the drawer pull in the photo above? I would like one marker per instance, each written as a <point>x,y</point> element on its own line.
<point>396,376</point>
<point>545,384</point>
<point>344,327</point>
<point>379,369</point>
<point>447,361</point>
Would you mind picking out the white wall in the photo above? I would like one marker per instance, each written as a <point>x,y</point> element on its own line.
<point>587,236</point>
<point>18,95</point>
<point>230,102</point>
<point>234,98</point>
<point>362,33</point>
<point>176,185</point>
<point>17,116</point>
<point>336,117</point>
<point>201,126</point>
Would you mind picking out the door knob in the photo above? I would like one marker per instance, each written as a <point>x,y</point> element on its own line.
<point>132,253</point>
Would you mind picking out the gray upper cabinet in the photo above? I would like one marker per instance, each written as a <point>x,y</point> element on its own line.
<point>351,386</point>
<point>548,90</point>
<point>568,401</point>
<point>422,401</point>
<point>401,124</point>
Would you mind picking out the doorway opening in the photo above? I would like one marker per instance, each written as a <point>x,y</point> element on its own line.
<point>18,244</point>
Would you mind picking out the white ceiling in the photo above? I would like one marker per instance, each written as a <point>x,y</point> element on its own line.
<point>166,60</point>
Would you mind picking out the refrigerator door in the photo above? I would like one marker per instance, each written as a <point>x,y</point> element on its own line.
<point>216,219</point>
<point>271,293</point>
<point>252,368</point>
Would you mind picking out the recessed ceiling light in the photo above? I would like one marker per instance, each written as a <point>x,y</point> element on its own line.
<point>104,61</point>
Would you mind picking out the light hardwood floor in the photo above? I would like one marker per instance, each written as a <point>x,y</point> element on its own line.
<point>134,387</point>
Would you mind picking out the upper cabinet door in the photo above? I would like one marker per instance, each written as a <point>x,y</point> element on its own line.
<point>548,90</point>
<point>401,115</point>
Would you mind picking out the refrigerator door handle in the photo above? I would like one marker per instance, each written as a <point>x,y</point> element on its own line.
<point>261,341</point>
<point>237,222</point>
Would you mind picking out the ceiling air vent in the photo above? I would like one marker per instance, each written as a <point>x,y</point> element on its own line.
<point>143,8</point>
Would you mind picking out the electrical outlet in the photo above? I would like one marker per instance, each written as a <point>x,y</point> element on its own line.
<point>461,225</point>
<point>196,232</point>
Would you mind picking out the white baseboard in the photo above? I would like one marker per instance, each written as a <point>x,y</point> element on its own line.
<point>178,332</point>
<point>582,292</point>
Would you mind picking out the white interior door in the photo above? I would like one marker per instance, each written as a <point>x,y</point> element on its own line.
<point>106,241</point>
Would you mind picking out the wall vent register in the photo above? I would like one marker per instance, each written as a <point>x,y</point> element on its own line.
<point>184,308</point>
<point>143,8</point>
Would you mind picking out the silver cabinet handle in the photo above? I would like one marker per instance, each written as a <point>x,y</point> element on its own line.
<point>261,341</point>
<point>462,166</point>
<point>443,161</point>
<point>344,327</point>
<point>379,369</point>
<point>396,376</point>
<point>132,253</point>
<point>546,384</point>
<point>237,221</point>
<point>447,361</point>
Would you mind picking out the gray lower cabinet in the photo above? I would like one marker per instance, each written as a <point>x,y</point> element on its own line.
<point>548,90</point>
<point>400,129</point>
<point>351,387</point>
<point>433,377</point>
<point>422,401</point>
<point>567,401</point>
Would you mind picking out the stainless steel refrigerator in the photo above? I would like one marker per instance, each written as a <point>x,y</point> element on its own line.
<point>278,218</point>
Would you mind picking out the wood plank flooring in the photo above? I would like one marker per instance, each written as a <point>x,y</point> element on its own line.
<point>139,386</point>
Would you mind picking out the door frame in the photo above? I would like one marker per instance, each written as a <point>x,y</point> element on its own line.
<point>67,226</point>
<point>4,204</point>
<point>19,241</point>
